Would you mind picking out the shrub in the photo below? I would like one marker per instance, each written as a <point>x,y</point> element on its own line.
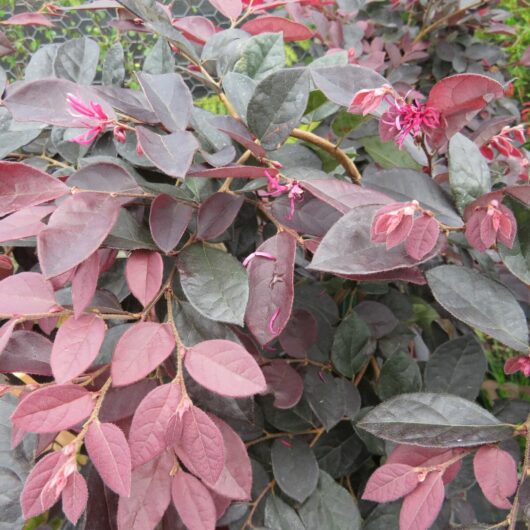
<point>278,315</point>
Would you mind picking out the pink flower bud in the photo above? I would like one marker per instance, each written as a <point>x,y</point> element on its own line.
<point>139,150</point>
<point>521,363</point>
<point>392,223</point>
<point>119,134</point>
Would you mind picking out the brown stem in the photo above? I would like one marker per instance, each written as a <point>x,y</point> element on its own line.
<point>344,160</point>
<point>280,227</point>
<point>441,21</point>
<point>271,436</point>
<point>512,516</point>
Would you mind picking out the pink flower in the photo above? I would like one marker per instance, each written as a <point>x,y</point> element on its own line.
<point>401,119</point>
<point>94,118</point>
<point>521,363</point>
<point>119,134</point>
<point>487,224</point>
<point>275,189</point>
<point>296,193</point>
<point>392,223</point>
<point>272,321</point>
<point>366,101</point>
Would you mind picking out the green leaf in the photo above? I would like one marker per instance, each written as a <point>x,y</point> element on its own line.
<point>279,514</point>
<point>457,367</point>
<point>400,374</point>
<point>387,154</point>
<point>295,468</point>
<point>345,122</point>
<point>517,258</point>
<point>160,59</point>
<point>214,282</point>
<point>348,352</point>
<point>278,105</point>
<point>481,303</point>
<point>113,66</point>
<point>262,55</point>
<point>77,60</point>
<point>469,175</point>
<point>156,19</point>
<point>330,507</point>
<point>129,234</point>
<point>434,420</point>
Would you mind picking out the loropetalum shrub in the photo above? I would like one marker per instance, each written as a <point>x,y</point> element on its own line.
<point>273,318</point>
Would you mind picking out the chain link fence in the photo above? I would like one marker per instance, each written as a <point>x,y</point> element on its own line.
<point>94,24</point>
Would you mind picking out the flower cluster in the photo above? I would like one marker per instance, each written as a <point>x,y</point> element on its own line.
<point>491,223</point>
<point>503,144</point>
<point>292,188</point>
<point>396,223</point>
<point>93,117</point>
<point>401,118</point>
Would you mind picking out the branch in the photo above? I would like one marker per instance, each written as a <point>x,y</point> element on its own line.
<point>344,160</point>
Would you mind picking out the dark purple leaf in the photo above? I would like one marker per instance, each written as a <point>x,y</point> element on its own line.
<point>217,213</point>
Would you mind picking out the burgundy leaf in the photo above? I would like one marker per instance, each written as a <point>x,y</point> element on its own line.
<point>170,98</point>
<point>271,288</point>
<point>76,346</point>
<point>496,474</point>
<point>421,507</point>
<point>168,220</point>
<point>299,334</point>
<point>27,352</point>
<point>26,293</point>
<point>391,482</point>
<point>225,367</point>
<point>6,266</point>
<point>459,98</point>
<point>22,186</point>
<point>193,502</point>
<point>75,497</point>
<point>144,272</point>
<point>292,31</point>
<point>201,446</point>
<point>172,153</point>
<point>425,457</point>
<point>80,224</point>
<point>285,383</point>
<point>229,8</point>
<point>84,283</point>
<point>235,481</point>
<point>217,213</point>
<point>29,19</point>
<point>53,408</point>
<point>423,237</point>
<point>195,28</point>
<point>147,438</point>
<point>122,402</point>
<point>44,101</point>
<point>32,501</point>
<point>109,452</point>
<point>342,195</point>
<point>140,350</point>
<point>150,495</point>
<point>245,172</point>
<point>24,223</point>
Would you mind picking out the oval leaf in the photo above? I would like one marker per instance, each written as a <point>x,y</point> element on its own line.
<point>75,497</point>
<point>481,303</point>
<point>147,436</point>
<point>139,351</point>
<point>53,408</point>
<point>217,213</point>
<point>214,282</point>
<point>109,452</point>
<point>76,346</point>
<point>193,502</point>
<point>201,446</point>
<point>80,224</point>
<point>434,420</point>
<point>391,482</point>
<point>225,367</point>
<point>144,271</point>
<point>292,31</point>
<point>271,288</point>
<point>168,220</point>
<point>26,293</point>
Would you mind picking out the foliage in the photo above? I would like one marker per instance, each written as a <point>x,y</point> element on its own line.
<point>277,305</point>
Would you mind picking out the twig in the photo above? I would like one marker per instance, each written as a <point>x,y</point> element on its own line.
<point>512,516</point>
<point>344,160</point>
